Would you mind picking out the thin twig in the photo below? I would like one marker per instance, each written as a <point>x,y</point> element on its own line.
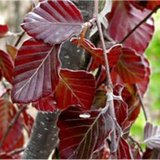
<point>19,38</point>
<point>141,101</point>
<point>108,80</point>
<point>16,151</point>
<point>11,125</point>
<point>134,141</point>
<point>139,24</point>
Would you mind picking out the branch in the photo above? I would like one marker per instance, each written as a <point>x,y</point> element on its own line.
<point>108,80</point>
<point>14,120</point>
<point>139,24</point>
<point>19,38</point>
<point>141,102</point>
<point>134,141</point>
<point>44,137</point>
<point>117,131</point>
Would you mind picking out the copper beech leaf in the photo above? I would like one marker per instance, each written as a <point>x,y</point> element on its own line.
<point>46,104</point>
<point>28,121</point>
<point>6,66</point>
<point>129,65</point>
<point>36,71</point>
<point>141,4</point>
<point>53,21</point>
<point>15,138</point>
<point>83,133</point>
<point>3,30</point>
<point>75,87</point>
<point>152,136</point>
<point>124,150</point>
<point>127,16</point>
<point>124,61</point>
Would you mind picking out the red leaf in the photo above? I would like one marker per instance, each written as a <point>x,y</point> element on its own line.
<point>121,107</point>
<point>36,71</point>
<point>15,137</point>
<point>3,30</point>
<point>46,104</point>
<point>124,150</point>
<point>83,133</point>
<point>75,87</point>
<point>6,66</point>
<point>53,21</point>
<point>127,16</point>
<point>28,121</point>
<point>129,65</point>
<point>143,85</point>
<point>97,53</point>
<point>141,4</point>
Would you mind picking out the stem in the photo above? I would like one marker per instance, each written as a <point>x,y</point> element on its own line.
<point>115,135</point>
<point>108,80</point>
<point>134,141</point>
<point>19,38</point>
<point>141,101</point>
<point>139,24</point>
<point>19,150</point>
<point>11,125</point>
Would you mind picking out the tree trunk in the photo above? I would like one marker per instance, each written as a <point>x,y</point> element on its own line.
<point>44,137</point>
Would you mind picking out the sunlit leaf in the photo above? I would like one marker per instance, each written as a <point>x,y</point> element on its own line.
<point>152,135</point>
<point>36,71</point>
<point>53,21</point>
<point>12,51</point>
<point>75,87</point>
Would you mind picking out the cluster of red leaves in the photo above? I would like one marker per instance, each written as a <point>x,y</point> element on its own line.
<point>86,126</point>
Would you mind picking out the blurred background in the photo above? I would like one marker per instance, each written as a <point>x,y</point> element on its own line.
<point>12,13</point>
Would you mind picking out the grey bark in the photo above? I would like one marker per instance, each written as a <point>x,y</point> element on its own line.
<point>44,137</point>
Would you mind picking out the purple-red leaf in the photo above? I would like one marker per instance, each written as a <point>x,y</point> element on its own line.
<point>3,30</point>
<point>127,16</point>
<point>75,87</point>
<point>15,137</point>
<point>152,136</point>
<point>83,133</point>
<point>28,121</point>
<point>46,104</point>
<point>124,150</point>
<point>125,62</point>
<point>36,71</point>
<point>6,66</point>
<point>53,21</point>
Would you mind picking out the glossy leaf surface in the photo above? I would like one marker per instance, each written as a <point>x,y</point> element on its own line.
<point>75,87</point>
<point>83,133</point>
<point>53,21</point>
<point>36,71</point>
